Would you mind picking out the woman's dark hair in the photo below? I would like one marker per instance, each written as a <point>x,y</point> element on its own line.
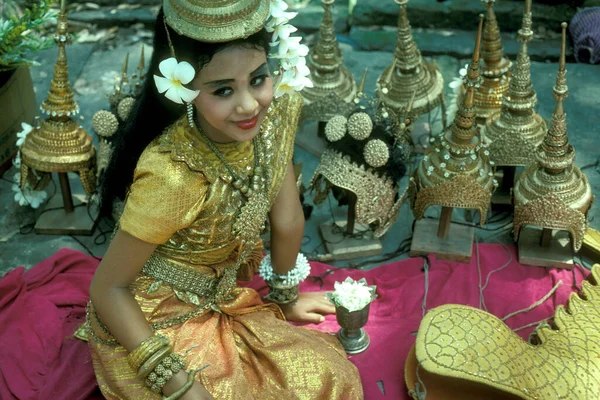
<point>153,112</point>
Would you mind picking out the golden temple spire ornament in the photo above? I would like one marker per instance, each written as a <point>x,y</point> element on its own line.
<point>409,74</point>
<point>456,172</point>
<point>553,193</point>
<point>495,68</point>
<point>514,133</point>
<point>334,86</point>
<point>59,144</point>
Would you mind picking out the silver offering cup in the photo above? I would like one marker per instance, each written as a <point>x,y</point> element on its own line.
<point>352,335</point>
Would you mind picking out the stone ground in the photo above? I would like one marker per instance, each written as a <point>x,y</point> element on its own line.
<point>97,58</point>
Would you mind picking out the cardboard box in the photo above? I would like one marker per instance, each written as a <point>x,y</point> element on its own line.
<point>17,104</point>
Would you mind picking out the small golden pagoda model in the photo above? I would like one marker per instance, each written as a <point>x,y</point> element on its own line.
<point>552,193</point>
<point>334,87</point>
<point>495,69</point>
<point>59,144</point>
<point>409,75</point>
<point>514,133</point>
<point>455,173</point>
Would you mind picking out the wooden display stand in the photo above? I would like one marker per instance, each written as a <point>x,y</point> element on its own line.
<point>340,240</point>
<point>61,217</point>
<point>446,240</point>
<point>502,198</point>
<point>543,247</point>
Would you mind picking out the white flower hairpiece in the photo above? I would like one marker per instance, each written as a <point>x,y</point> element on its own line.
<point>176,74</point>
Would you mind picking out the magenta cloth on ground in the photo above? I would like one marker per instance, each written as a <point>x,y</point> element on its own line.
<point>40,309</point>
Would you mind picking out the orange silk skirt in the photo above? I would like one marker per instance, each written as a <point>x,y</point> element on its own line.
<point>252,351</point>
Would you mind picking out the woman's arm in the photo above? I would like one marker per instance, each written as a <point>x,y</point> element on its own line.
<point>287,230</point>
<point>117,308</point>
<point>287,224</point>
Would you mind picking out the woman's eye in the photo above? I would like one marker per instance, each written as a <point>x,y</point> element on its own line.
<point>223,92</point>
<point>258,80</point>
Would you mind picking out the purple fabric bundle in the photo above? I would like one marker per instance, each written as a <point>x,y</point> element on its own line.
<point>585,31</point>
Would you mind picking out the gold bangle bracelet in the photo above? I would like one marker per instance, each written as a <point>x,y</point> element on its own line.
<point>143,352</point>
<point>181,391</point>
<point>153,362</point>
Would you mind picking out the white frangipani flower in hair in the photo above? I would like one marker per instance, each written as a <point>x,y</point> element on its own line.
<point>175,76</point>
<point>282,32</point>
<point>23,134</point>
<point>278,15</point>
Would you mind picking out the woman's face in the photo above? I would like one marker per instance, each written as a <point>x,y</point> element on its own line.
<point>235,92</point>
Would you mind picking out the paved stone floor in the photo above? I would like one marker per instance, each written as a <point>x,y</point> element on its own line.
<point>93,67</point>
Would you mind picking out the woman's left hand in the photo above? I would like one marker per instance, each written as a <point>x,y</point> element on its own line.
<point>309,308</point>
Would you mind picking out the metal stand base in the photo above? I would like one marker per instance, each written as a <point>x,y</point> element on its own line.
<point>457,245</point>
<point>558,253</point>
<point>355,343</point>
<point>346,248</point>
<point>55,220</point>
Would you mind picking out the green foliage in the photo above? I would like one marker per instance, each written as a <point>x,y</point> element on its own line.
<point>20,35</point>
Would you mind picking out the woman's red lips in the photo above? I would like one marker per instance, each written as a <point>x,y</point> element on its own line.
<point>247,123</point>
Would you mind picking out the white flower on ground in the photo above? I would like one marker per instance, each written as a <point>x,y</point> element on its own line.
<point>463,71</point>
<point>27,196</point>
<point>352,295</point>
<point>175,76</point>
<point>23,134</point>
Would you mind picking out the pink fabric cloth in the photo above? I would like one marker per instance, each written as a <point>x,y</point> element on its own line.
<point>40,309</point>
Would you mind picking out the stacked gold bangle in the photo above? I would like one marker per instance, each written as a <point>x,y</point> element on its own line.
<point>155,362</point>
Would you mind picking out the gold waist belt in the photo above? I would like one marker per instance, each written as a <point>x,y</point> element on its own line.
<point>196,284</point>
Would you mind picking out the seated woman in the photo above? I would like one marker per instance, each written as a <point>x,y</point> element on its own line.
<point>199,181</point>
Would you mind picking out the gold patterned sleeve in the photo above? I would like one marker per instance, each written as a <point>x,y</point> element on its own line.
<point>287,112</point>
<point>165,196</point>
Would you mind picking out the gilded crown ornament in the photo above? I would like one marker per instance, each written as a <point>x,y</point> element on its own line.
<point>216,20</point>
<point>461,349</point>
<point>495,69</point>
<point>456,170</point>
<point>334,86</point>
<point>553,193</point>
<point>517,130</point>
<point>409,75</point>
<point>59,143</point>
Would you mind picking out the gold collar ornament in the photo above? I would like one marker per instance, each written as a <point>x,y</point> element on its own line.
<point>456,171</point>
<point>409,75</point>
<point>514,133</point>
<point>59,144</point>
<point>495,69</point>
<point>463,352</point>
<point>334,87</point>
<point>553,193</point>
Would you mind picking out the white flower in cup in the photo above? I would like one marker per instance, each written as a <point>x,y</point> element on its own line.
<point>23,134</point>
<point>175,76</point>
<point>352,295</point>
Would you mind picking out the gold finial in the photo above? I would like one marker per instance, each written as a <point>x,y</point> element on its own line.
<point>473,71</point>
<point>560,89</point>
<point>361,87</point>
<point>333,84</point>
<point>391,71</point>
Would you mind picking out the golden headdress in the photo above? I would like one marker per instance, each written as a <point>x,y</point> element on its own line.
<point>216,20</point>
<point>456,171</point>
<point>552,192</point>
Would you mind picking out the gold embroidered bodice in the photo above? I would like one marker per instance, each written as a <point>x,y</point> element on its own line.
<point>181,197</point>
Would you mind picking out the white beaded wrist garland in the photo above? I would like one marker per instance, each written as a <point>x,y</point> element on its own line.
<point>291,278</point>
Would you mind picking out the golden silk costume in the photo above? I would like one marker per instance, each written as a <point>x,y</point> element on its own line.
<point>181,199</point>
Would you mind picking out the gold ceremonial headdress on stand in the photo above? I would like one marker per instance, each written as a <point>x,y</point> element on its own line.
<point>60,144</point>
<point>410,76</point>
<point>517,130</point>
<point>456,171</point>
<point>553,193</point>
<point>334,86</point>
<point>216,20</point>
